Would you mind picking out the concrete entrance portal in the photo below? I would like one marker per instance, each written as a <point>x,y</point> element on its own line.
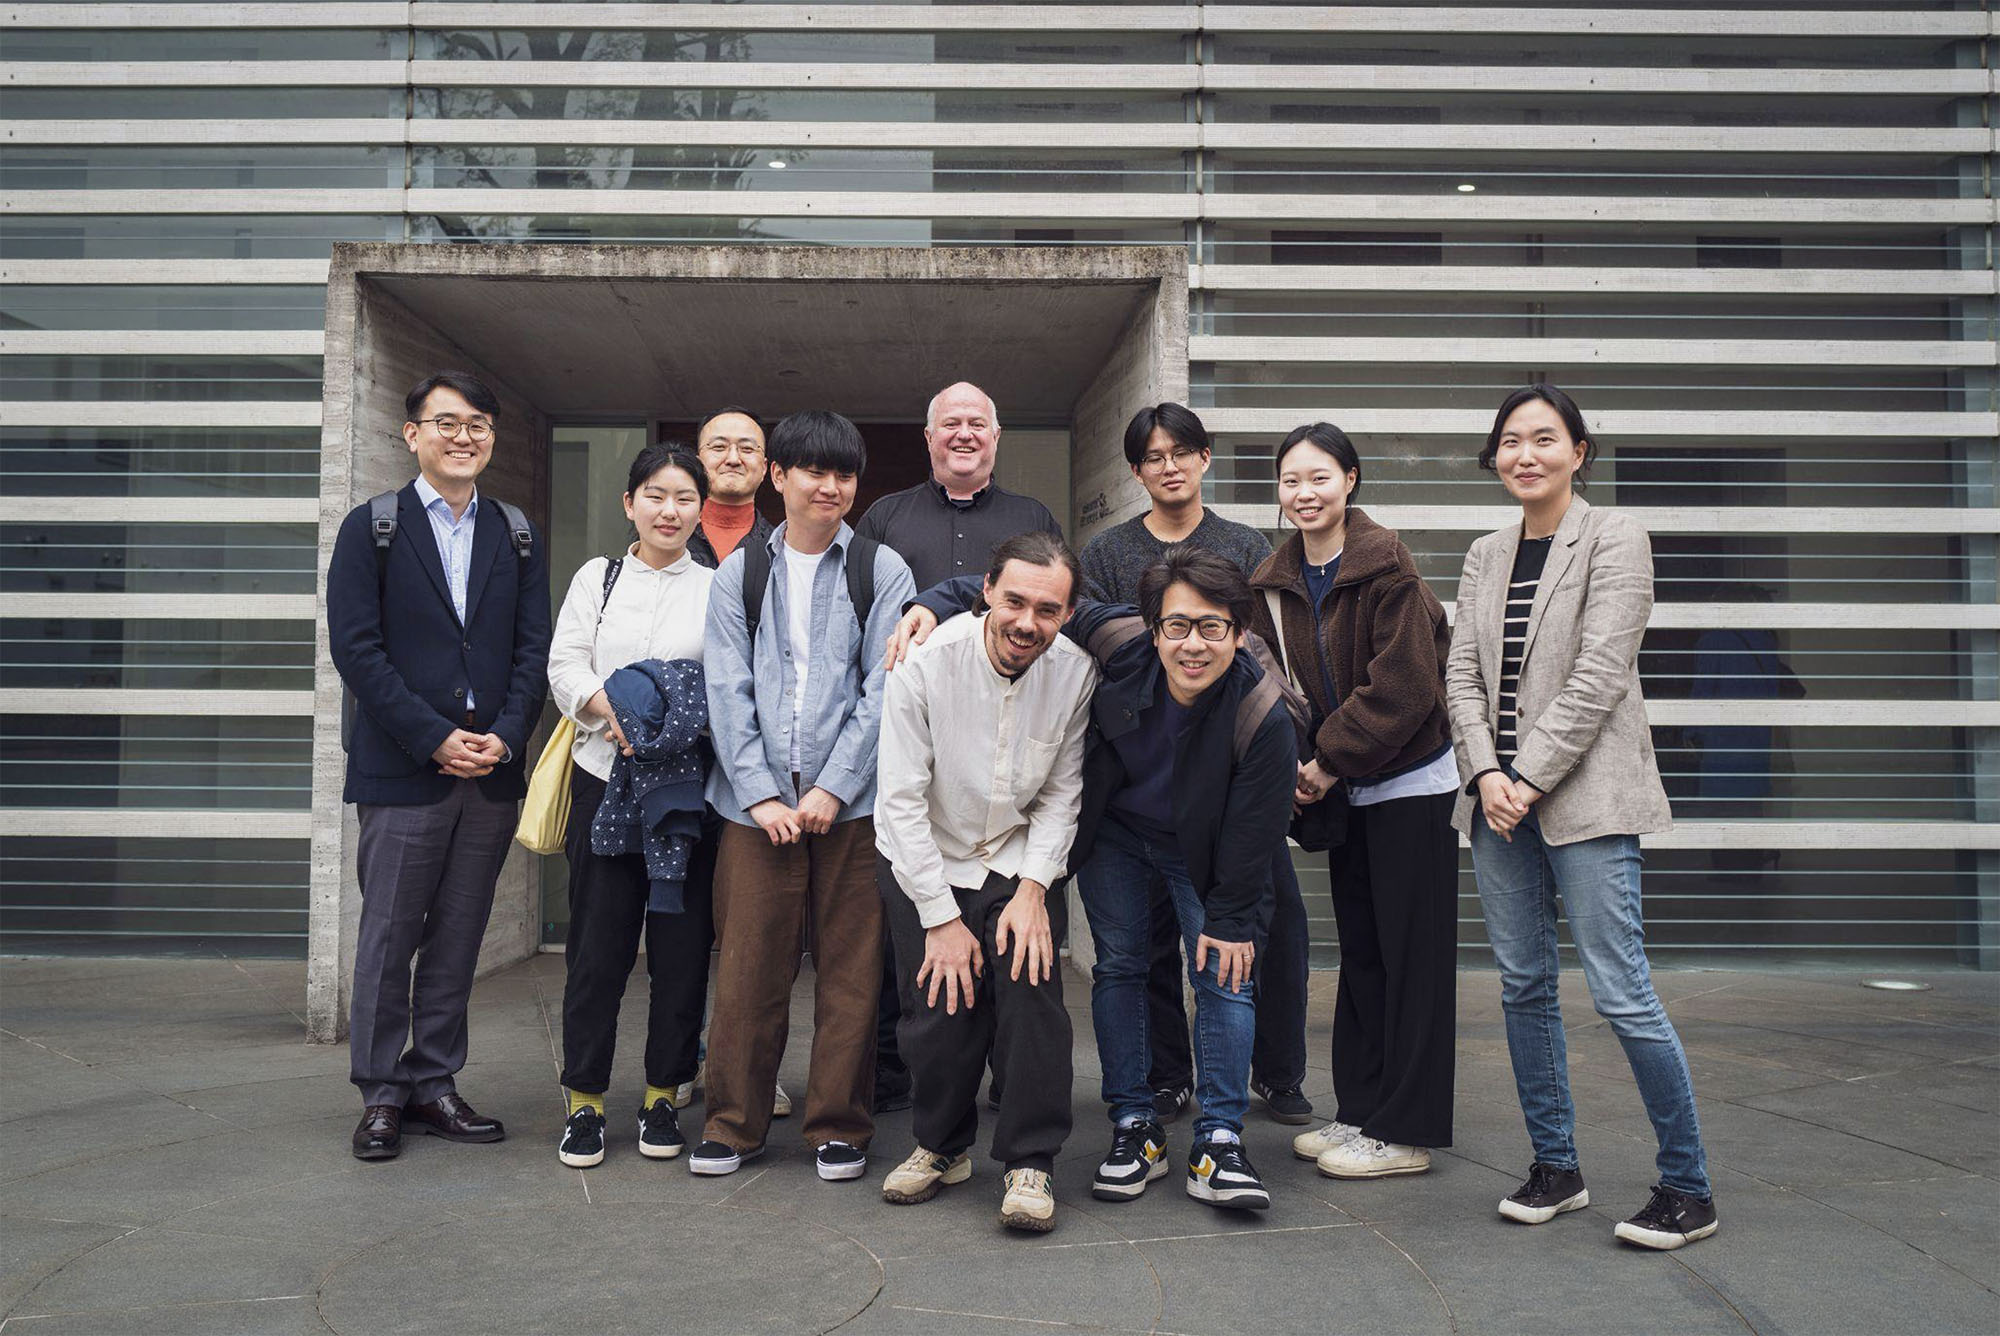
<point>1073,338</point>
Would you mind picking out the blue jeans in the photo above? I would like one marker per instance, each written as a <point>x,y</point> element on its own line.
<point>1116,885</point>
<point>1598,885</point>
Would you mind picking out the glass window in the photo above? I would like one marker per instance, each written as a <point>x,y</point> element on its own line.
<point>276,166</point>
<point>144,654</point>
<point>158,558</point>
<point>159,461</point>
<point>123,896</point>
<point>103,379</point>
<point>160,306</point>
<point>96,760</point>
<point>206,44</point>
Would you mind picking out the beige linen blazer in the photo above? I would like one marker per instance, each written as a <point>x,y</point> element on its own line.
<point>1581,721</point>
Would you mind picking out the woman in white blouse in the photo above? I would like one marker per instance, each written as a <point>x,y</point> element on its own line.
<point>649,603</point>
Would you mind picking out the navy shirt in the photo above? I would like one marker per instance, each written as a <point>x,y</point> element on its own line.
<point>1145,801</point>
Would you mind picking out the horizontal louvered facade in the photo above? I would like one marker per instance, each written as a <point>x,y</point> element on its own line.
<point>1756,241</point>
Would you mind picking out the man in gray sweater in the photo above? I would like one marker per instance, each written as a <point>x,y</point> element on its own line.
<point>1168,449</point>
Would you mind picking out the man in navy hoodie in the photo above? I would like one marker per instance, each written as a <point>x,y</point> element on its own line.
<point>437,612</point>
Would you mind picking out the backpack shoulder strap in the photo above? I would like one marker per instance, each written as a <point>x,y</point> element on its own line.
<point>611,569</point>
<point>756,575</point>
<point>382,521</point>
<point>519,530</point>
<point>1251,712</point>
<point>861,577</point>
<point>1113,636</point>
<point>1271,601</point>
<point>1273,687</point>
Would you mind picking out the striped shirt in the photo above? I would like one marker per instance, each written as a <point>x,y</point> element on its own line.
<point>1527,574</point>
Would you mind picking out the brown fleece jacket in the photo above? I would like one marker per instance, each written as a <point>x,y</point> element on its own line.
<point>1384,636</point>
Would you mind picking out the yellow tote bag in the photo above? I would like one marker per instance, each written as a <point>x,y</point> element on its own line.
<point>545,814</point>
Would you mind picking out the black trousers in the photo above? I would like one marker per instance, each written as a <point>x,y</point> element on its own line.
<point>1024,1027</point>
<point>892,1074</point>
<point>1283,971</point>
<point>607,914</point>
<point>1395,901</point>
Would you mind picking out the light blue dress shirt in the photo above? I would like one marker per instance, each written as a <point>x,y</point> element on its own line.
<point>454,545</point>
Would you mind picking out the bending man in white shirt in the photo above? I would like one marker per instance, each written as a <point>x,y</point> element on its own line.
<point>979,782</point>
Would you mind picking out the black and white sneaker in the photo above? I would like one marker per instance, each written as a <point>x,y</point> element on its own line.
<point>582,1139</point>
<point>1170,1102</point>
<point>660,1132</point>
<point>1670,1220</point>
<point>839,1161</point>
<point>1219,1173</point>
<point>1285,1104</point>
<point>1138,1156</point>
<point>711,1159</point>
<point>1548,1192</point>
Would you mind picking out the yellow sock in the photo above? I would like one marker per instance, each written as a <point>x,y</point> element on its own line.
<point>654,1094</point>
<point>579,1100</point>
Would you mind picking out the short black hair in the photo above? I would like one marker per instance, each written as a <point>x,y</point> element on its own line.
<point>1215,578</point>
<point>1176,420</point>
<point>667,455</point>
<point>724,411</point>
<point>1038,547</point>
<point>1566,409</point>
<point>1328,438</point>
<point>820,440</point>
<point>466,385</point>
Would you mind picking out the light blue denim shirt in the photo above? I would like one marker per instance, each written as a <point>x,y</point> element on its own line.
<point>749,688</point>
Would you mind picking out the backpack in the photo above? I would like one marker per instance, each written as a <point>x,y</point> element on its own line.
<point>1252,710</point>
<point>383,520</point>
<point>860,580</point>
<point>382,525</point>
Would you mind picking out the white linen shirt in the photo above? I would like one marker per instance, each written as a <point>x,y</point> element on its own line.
<point>976,773</point>
<point>652,614</point>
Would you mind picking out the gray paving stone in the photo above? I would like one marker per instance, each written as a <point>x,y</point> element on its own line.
<point>160,1266</point>
<point>601,1268</point>
<point>46,1141</point>
<point>32,1250</point>
<point>1956,1220</point>
<point>233,1317</point>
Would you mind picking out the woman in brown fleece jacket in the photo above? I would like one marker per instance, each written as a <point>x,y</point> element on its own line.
<point>1366,640</point>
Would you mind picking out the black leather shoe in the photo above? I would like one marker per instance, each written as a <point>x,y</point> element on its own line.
<point>379,1134</point>
<point>450,1117</point>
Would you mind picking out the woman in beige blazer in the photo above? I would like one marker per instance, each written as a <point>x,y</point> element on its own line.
<point>1554,750</point>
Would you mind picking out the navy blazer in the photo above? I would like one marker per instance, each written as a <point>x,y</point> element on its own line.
<point>400,649</point>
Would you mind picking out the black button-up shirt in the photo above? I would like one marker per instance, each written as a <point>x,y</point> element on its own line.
<point>939,538</point>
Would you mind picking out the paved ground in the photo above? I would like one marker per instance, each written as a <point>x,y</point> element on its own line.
<point>175,1160</point>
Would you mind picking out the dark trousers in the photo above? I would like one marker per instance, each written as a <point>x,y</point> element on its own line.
<point>1395,901</point>
<point>1283,971</point>
<point>427,875</point>
<point>1024,1027</point>
<point>607,914</point>
<point>892,1073</point>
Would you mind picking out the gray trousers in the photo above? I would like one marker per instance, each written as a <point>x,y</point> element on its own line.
<point>427,876</point>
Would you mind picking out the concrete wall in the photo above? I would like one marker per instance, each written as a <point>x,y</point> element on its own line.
<point>387,349</point>
<point>1148,365</point>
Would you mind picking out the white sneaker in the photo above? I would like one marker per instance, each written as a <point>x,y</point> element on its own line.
<point>781,1104</point>
<point>1365,1157</point>
<point>1029,1202</point>
<point>682,1095</point>
<point>1312,1145</point>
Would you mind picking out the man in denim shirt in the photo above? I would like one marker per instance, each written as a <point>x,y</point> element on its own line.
<point>795,711</point>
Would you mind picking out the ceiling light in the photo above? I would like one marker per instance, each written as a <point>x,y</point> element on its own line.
<point>778,164</point>
<point>1464,187</point>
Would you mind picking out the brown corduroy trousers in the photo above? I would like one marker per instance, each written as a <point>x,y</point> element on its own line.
<point>767,896</point>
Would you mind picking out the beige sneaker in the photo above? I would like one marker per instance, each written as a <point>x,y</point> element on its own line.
<point>1029,1203</point>
<point>781,1104</point>
<point>1365,1157</point>
<point>1312,1145</point>
<point>682,1095</point>
<point>918,1178</point>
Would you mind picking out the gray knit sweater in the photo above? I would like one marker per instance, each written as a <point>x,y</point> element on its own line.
<point>1115,559</point>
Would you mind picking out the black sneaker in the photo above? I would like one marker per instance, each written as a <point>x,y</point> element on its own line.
<point>582,1139</point>
<point>714,1158</point>
<point>1170,1102</point>
<point>1219,1173</point>
<point>1285,1104</point>
<point>839,1161</point>
<point>1138,1156</point>
<point>1548,1192</point>
<point>660,1132</point>
<point>1670,1220</point>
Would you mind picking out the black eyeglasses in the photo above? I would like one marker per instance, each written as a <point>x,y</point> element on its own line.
<point>1211,628</point>
<point>450,427</point>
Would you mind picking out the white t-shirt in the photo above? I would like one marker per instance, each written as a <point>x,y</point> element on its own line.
<point>800,571</point>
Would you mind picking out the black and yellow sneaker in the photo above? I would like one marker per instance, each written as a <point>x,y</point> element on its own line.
<point>582,1139</point>
<point>1219,1173</point>
<point>660,1135</point>
<point>1138,1156</point>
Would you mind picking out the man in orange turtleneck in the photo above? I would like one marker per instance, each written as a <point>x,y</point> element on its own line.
<point>732,450</point>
